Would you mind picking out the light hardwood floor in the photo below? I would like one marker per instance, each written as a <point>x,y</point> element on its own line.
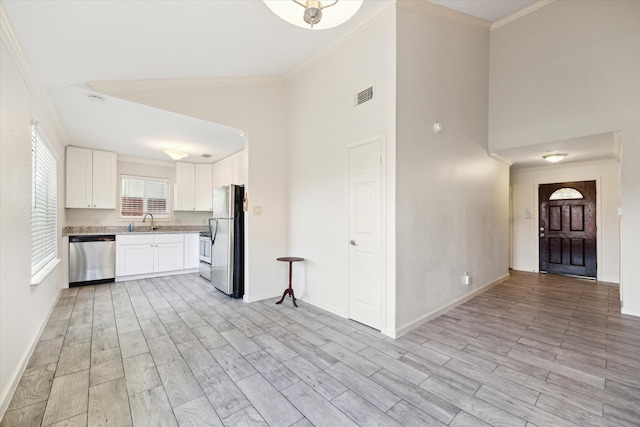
<point>536,350</point>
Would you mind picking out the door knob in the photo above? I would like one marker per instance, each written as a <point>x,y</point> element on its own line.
<point>541,234</point>
<point>353,243</point>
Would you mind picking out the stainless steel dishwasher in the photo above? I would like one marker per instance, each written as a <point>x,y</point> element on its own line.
<point>92,259</point>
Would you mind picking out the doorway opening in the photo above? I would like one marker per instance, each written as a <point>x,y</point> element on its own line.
<point>567,228</point>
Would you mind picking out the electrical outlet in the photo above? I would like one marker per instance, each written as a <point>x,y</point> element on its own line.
<point>178,221</point>
<point>97,221</point>
<point>466,279</point>
<point>257,210</point>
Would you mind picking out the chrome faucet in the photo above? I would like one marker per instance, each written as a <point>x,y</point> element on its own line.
<point>144,219</point>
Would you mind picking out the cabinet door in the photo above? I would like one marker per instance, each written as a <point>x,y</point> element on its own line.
<point>191,250</point>
<point>105,179</point>
<point>204,187</point>
<point>169,257</point>
<point>134,259</point>
<point>79,177</point>
<point>185,188</point>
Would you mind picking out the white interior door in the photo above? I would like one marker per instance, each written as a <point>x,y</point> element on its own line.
<point>365,233</point>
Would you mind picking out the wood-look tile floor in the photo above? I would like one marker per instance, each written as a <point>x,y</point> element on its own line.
<point>536,350</point>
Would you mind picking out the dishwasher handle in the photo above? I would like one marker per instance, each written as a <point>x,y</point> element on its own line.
<point>94,238</point>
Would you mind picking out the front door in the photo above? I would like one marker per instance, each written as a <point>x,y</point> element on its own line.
<point>567,230</point>
<point>365,233</point>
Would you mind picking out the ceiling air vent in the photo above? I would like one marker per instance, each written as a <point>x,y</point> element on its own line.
<point>364,96</point>
<point>205,155</point>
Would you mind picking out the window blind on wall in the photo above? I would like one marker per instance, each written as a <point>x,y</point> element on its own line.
<point>44,206</point>
<point>139,195</point>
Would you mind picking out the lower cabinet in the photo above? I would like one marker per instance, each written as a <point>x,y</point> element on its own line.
<point>191,251</point>
<point>149,253</point>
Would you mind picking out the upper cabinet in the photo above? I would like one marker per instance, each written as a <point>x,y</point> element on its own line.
<point>230,170</point>
<point>91,178</point>
<point>204,187</point>
<point>194,187</point>
<point>185,193</point>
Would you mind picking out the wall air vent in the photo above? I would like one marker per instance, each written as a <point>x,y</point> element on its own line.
<point>363,96</point>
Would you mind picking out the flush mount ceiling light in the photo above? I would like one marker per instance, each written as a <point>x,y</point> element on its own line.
<point>176,154</point>
<point>555,157</point>
<point>309,13</point>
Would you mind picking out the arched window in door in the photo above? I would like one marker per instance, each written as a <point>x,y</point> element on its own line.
<point>565,194</point>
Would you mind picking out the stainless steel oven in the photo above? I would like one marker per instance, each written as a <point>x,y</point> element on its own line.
<point>205,255</point>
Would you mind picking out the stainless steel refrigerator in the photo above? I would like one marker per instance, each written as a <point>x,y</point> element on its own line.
<point>226,229</point>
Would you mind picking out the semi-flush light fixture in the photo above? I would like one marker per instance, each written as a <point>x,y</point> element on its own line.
<point>176,154</point>
<point>555,157</point>
<point>309,13</point>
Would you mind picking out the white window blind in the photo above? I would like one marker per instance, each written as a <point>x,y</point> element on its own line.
<point>44,206</point>
<point>139,195</point>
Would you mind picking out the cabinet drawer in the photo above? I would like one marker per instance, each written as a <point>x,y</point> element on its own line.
<point>135,239</point>
<point>168,238</point>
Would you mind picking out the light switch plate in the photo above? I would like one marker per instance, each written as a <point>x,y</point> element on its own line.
<point>257,210</point>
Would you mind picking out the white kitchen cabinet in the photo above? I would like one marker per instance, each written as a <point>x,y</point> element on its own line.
<point>191,251</point>
<point>230,170</point>
<point>204,187</point>
<point>91,179</point>
<point>143,254</point>
<point>185,195</point>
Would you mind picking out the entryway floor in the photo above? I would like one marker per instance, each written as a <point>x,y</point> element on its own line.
<point>534,350</point>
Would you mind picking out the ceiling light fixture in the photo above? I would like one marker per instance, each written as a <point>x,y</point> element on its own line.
<point>176,154</point>
<point>555,157</point>
<point>312,17</point>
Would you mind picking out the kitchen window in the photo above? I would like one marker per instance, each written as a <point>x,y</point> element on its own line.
<point>44,207</point>
<point>140,195</point>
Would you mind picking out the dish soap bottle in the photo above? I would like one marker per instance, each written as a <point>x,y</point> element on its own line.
<point>131,226</point>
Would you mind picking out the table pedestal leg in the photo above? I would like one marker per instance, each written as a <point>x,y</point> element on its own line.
<point>290,289</point>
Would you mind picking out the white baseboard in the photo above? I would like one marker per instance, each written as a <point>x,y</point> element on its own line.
<point>152,275</point>
<point>260,297</point>
<point>439,311</point>
<point>14,380</point>
<point>630,311</point>
<point>335,310</point>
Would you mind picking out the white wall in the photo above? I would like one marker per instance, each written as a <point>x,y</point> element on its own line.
<point>259,109</point>
<point>322,121</point>
<point>24,309</point>
<point>139,167</point>
<point>525,230</point>
<point>567,70</point>
<point>451,197</point>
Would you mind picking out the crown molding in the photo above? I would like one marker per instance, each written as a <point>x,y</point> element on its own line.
<point>367,20</point>
<point>143,161</point>
<point>423,6</point>
<point>10,39</point>
<point>500,158</point>
<point>111,86</point>
<point>519,14</point>
<point>560,165</point>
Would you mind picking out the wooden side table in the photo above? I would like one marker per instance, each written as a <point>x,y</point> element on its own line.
<point>290,260</point>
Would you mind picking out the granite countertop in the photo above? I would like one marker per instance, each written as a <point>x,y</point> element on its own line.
<point>86,230</point>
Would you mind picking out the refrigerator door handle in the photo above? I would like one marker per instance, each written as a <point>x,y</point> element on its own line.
<point>213,232</point>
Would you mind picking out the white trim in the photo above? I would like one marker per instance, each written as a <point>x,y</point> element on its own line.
<point>142,161</point>
<point>630,311</point>
<point>13,45</point>
<point>363,23</point>
<point>519,14</point>
<point>109,86</point>
<point>14,378</point>
<point>331,309</point>
<point>158,274</point>
<point>44,272</point>
<point>423,6</point>
<point>500,158</point>
<point>440,311</point>
<point>383,230</point>
<point>557,166</point>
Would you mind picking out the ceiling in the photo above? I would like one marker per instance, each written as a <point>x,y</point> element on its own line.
<point>76,42</point>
